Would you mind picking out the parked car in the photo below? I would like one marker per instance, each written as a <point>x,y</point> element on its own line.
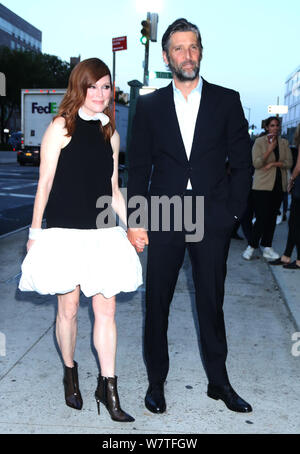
<point>28,157</point>
<point>16,140</point>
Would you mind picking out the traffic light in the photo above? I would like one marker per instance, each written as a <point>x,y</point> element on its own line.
<point>251,129</point>
<point>146,30</point>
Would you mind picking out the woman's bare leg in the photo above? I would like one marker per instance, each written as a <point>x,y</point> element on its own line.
<point>105,333</point>
<point>66,325</point>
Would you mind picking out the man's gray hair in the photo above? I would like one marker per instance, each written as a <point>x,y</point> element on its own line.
<point>180,25</point>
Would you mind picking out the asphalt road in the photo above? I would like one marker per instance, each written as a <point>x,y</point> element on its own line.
<point>17,191</point>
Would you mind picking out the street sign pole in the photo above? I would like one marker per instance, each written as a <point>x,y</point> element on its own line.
<point>146,64</point>
<point>114,82</point>
<point>117,44</point>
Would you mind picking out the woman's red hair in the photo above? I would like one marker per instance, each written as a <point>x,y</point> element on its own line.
<point>85,74</point>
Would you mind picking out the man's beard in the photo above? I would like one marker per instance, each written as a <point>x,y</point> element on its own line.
<point>182,74</point>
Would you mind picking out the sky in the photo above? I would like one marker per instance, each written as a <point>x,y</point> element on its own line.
<point>249,46</point>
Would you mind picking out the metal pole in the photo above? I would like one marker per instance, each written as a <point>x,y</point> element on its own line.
<point>146,64</point>
<point>114,82</point>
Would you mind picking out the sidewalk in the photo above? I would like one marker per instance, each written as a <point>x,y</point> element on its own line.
<point>261,308</point>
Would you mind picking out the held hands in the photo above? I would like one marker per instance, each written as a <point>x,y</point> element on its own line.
<point>138,238</point>
<point>34,233</point>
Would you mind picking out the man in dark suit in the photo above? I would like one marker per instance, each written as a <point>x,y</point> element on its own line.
<point>182,136</point>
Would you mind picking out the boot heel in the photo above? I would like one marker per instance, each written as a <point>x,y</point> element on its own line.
<point>213,396</point>
<point>107,394</point>
<point>98,406</point>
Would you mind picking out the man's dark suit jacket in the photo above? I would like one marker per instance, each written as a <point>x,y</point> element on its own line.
<point>157,154</point>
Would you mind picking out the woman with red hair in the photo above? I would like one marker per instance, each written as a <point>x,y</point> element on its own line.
<point>78,251</point>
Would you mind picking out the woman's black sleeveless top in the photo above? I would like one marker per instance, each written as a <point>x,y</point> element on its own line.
<point>83,174</point>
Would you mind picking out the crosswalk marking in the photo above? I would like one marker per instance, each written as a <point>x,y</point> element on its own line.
<point>20,186</point>
<point>11,194</point>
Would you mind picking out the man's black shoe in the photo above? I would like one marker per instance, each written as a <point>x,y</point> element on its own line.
<point>155,399</point>
<point>231,399</point>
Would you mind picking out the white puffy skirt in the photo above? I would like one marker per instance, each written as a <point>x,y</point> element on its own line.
<point>99,260</point>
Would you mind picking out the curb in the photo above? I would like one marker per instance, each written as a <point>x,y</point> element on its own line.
<point>286,299</point>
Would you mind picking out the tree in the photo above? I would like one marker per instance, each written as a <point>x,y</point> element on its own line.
<point>26,69</point>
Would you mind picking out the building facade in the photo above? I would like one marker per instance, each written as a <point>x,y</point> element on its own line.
<point>292,100</point>
<point>17,33</point>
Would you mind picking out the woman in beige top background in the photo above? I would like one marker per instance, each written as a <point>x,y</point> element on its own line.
<point>271,158</point>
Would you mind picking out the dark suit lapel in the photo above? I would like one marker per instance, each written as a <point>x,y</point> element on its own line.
<point>170,119</point>
<point>204,120</point>
<point>204,117</point>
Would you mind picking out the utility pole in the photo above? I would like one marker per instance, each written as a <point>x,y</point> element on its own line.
<point>146,61</point>
<point>149,33</point>
<point>118,44</point>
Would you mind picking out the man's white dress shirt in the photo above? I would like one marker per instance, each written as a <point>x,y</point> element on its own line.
<point>187,111</point>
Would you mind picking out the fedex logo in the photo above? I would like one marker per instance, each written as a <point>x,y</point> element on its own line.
<point>51,108</point>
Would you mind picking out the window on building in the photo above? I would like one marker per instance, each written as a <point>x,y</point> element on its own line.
<point>293,109</point>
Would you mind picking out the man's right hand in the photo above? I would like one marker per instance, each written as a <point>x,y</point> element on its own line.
<point>138,238</point>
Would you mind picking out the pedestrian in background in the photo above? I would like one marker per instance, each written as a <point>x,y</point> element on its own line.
<point>79,163</point>
<point>293,238</point>
<point>271,158</point>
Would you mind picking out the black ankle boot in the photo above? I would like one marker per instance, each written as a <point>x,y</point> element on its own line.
<point>107,394</point>
<point>71,384</point>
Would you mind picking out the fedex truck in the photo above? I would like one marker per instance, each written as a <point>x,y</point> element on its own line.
<point>38,107</point>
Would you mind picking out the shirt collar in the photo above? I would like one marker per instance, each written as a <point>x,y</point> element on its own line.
<point>197,89</point>
<point>98,116</point>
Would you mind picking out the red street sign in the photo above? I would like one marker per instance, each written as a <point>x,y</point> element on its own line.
<point>119,43</point>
